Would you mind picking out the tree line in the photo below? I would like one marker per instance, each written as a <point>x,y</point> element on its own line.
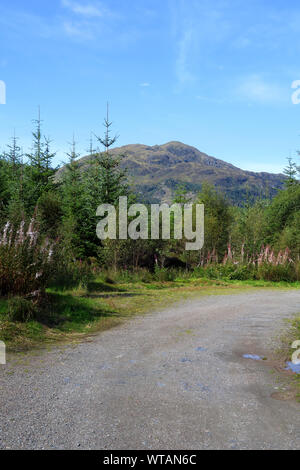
<point>238,240</point>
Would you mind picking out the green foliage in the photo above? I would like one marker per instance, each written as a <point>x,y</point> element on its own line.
<point>217,222</point>
<point>290,172</point>
<point>38,173</point>
<point>20,309</point>
<point>72,274</point>
<point>282,219</point>
<point>164,274</point>
<point>59,249</point>
<point>49,214</point>
<point>277,273</point>
<point>247,231</point>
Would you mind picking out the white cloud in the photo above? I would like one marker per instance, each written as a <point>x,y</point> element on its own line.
<point>86,10</point>
<point>257,89</point>
<point>195,27</point>
<point>182,61</point>
<point>145,85</point>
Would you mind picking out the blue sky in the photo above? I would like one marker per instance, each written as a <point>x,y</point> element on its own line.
<point>216,75</point>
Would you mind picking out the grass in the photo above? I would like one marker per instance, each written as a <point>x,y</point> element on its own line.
<point>75,314</point>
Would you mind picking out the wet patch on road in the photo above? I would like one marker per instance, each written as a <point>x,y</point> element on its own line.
<point>293,367</point>
<point>254,357</point>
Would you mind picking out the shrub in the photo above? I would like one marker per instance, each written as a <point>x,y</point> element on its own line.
<point>276,273</point>
<point>243,273</point>
<point>71,274</point>
<point>164,274</point>
<point>20,309</point>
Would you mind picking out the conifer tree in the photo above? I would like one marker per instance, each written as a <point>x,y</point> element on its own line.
<point>72,190</point>
<point>14,170</point>
<point>108,171</point>
<point>39,172</point>
<point>290,172</point>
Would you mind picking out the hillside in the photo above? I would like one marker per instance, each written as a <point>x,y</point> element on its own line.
<point>156,171</point>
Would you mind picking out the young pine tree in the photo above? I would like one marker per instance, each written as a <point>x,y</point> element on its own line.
<point>290,171</point>
<point>39,172</point>
<point>108,174</point>
<point>73,205</point>
<point>14,170</point>
<point>104,183</point>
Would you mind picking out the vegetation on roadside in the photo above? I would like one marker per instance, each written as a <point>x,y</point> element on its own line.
<point>106,301</point>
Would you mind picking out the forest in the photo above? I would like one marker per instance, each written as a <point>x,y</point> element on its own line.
<point>48,229</point>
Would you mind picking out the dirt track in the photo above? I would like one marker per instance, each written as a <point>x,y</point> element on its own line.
<point>174,379</point>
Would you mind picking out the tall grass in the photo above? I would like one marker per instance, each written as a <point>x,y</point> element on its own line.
<point>266,265</point>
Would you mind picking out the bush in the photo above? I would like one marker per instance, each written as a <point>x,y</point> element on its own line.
<point>243,273</point>
<point>20,309</point>
<point>164,274</point>
<point>276,273</point>
<point>71,274</point>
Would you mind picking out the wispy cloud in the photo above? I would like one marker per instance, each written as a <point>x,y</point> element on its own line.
<point>195,26</point>
<point>144,85</point>
<point>183,71</point>
<point>81,21</point>
<point>86,10</point>
<point>255,88</point>
<point>77,31</point>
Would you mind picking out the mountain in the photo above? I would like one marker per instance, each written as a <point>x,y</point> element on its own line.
<point>155,172</point>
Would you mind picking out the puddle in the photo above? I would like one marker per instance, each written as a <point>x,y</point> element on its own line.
<point>160,384</point>
<point>186,386</point>
<point>293,367</point>
<point>196,387</point>
<point>203,388</point>
<point>104,367</point>
<point>185,359</point>
<point>254,357</point>
<point>121,382</point>
<point>201,349</point>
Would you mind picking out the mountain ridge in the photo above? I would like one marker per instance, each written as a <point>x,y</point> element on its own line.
<point>157,170</point>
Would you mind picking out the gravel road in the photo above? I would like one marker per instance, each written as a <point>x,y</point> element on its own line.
<point>173,379</point>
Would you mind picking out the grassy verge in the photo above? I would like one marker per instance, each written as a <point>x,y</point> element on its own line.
<point>105,303</point>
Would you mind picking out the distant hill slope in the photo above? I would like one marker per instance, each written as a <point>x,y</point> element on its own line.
<point>156,171</point>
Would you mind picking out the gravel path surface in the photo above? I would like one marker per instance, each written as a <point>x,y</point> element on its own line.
<point>174,379</point>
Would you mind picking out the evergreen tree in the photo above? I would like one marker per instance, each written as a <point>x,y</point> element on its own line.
<point>14,170</point>
<point>290,172</point>
<point>73,205</point>
<point>39,172</point>
<point>103,183</point>
<point>108,173</point>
